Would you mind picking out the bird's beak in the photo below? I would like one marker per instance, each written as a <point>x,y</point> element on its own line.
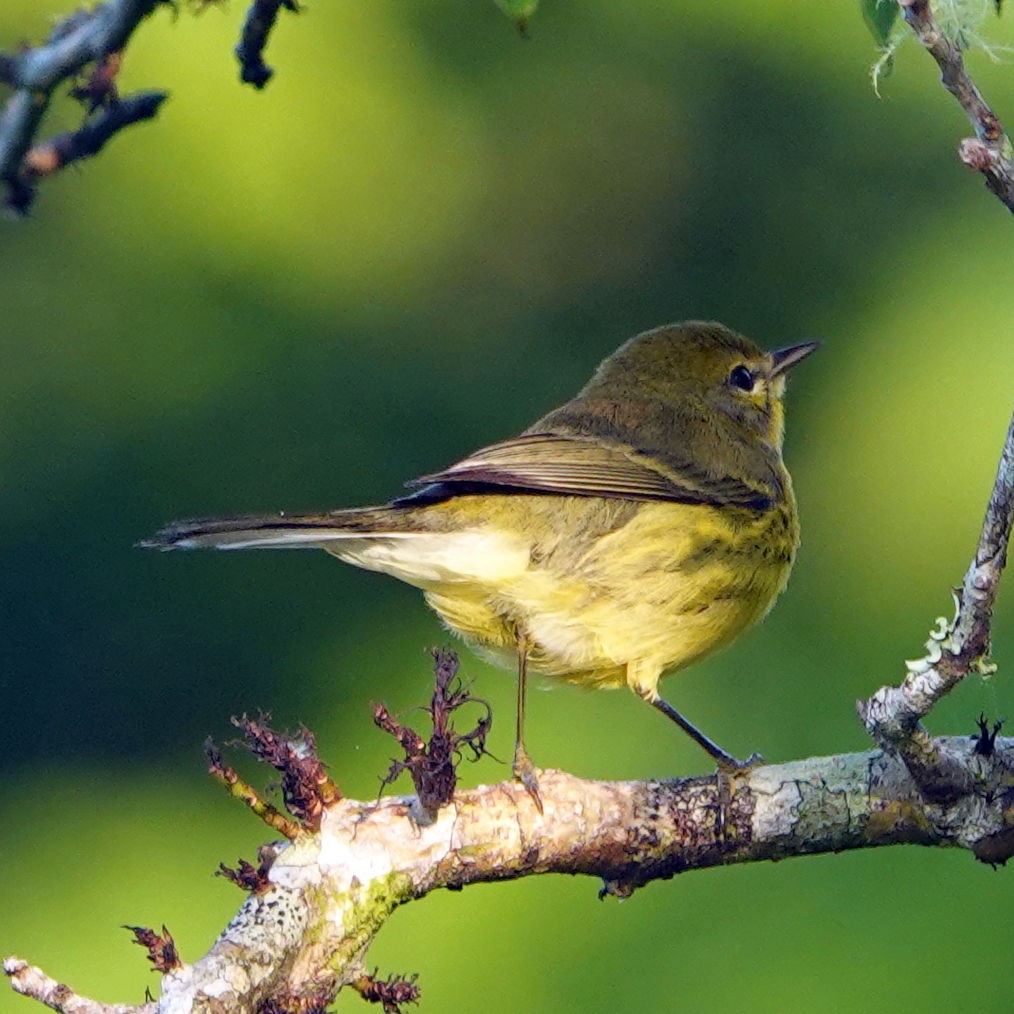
<point>784,359</point>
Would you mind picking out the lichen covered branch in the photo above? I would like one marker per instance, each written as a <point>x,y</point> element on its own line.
<point>990,151</point>
<point>971,637</point>
<point>33,982</point>
<point>306,931</point>
<point>893,715</point>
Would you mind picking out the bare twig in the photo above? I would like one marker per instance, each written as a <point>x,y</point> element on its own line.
<point>246,793</point>
<point>34,983</point>
<point>893,714</point>
<point>391,993</point>
<point>85,37</point>
<point>255,878</point>
<point>48,157</point>
<point>989,152</point>
<point>306,786</point>
<point>92,37</point>
<point>260,19</point>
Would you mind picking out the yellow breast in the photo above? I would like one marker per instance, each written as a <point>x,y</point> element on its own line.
<point>659,585</point>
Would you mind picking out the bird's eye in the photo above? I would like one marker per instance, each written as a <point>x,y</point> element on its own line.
<point>742,378</point>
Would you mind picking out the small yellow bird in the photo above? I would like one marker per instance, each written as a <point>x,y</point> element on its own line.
<point>623,536</point>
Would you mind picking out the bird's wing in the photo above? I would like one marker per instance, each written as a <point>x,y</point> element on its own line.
<point>576,466</point>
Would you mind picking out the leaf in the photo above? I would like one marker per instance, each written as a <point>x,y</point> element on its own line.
<point>520,12</point>
<point>879,16</point>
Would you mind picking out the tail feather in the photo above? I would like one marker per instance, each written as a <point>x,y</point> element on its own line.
<point>279,531</point>
<point>405,542</point>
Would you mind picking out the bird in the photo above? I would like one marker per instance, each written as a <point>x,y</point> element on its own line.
<point>620,538</point>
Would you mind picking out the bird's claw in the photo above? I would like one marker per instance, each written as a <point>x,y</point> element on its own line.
<point>524,772</point>
<point>729,771</point>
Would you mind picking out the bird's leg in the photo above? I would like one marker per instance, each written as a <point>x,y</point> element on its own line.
<point>523,768</point>
<point>643,681</point>
<point>725,761</point>
<point>729,768</point>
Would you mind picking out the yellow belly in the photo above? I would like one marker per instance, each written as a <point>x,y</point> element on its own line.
<point>662,586</point>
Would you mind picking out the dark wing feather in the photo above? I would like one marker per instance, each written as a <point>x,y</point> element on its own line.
<point>575,466</point>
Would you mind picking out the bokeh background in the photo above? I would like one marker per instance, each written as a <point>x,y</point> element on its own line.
<point>424,233</point>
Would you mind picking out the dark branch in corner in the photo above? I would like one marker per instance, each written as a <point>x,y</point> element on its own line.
<point>260,19</point>
<point>92,38</point>
<point>50,156</point>
<point>989,152</point>
<point>84,37</point>
<point>8,69</point>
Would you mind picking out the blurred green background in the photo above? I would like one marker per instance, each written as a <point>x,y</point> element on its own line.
<point>419,237</point>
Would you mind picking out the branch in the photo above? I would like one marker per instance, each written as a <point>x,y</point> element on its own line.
<point>989,152</point>
<point>317,901</point>
<point>329,892</point>
<point>83,38</point>
<point>93,37</point>
<point>48,157</point>
<point>260,19</point>
<point>33,982</point>
<point>893,715</point>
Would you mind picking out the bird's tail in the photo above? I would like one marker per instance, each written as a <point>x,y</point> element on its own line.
<point>282,531</point>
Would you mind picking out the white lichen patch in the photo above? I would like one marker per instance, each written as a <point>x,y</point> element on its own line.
<point>778,797</point>
<point>267,921</point>
<point>938,638</point>
<point>297,865</point>
<point>358,844</point>
<point>795,801</point>
<point>177,992</point>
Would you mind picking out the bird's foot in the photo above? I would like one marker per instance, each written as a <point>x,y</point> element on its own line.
<point>731,766</point>
<point>524,772</point>
<point>729,772</point>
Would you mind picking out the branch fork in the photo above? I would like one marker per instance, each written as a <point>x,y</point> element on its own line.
<point>893,715</point>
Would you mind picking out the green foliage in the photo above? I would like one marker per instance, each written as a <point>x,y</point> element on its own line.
<point>880,17</point>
